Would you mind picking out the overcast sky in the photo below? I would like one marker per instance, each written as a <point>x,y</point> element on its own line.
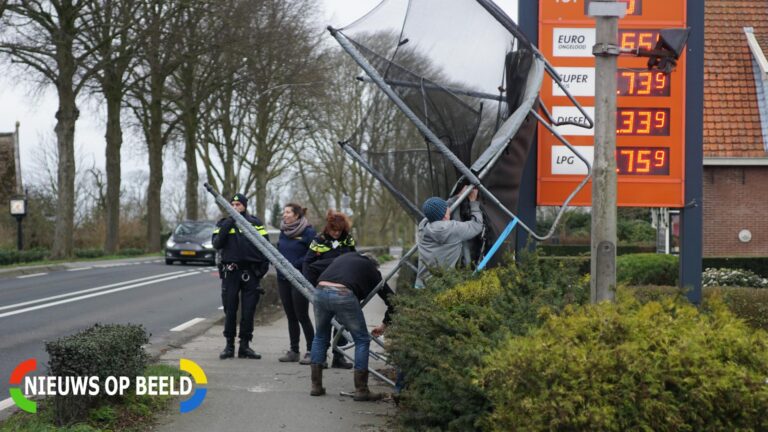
<point>35,108</point>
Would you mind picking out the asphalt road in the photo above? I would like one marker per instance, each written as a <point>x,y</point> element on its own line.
<point>41,307</point>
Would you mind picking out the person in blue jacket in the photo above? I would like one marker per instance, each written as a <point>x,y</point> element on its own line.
<point>296,234</point>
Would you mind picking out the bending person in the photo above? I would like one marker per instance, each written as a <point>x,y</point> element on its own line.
<point>334,241</point>
<point>342,286</point>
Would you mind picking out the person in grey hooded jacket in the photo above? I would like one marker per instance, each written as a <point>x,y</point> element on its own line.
<point>440,240</point>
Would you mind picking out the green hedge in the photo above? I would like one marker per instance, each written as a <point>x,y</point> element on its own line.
<point>579,263</point>
<point>749,304</point>
<point>9,256</point>
<point>102,351</point>
<point>575,250</point>
<point>626,366</point>
<point>758,265</point>
<point>12,256</point>
<point>647,269</point>
<point>132,251</point>
<point>442,332</point>
<point>89,253</point>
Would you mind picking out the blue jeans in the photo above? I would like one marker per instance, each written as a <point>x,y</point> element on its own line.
<point>343,305</point>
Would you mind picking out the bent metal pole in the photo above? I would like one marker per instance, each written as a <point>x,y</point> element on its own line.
<point>265,247</point>
<point>278,260</point>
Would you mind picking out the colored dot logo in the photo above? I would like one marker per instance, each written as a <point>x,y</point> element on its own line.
<point>200,379</point>
<point>17,376</point>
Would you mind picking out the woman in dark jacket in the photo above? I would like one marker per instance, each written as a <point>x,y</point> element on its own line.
<point>296,234</point>
<point>334,241</point>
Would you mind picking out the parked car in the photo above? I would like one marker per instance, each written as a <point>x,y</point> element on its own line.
<point>191,241</point>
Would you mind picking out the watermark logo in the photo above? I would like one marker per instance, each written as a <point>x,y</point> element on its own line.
<point>200,379</point>
<point>23,385</point>
<point>17,376</point>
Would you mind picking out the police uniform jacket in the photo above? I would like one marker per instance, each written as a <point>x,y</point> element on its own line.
<point>234,246</point>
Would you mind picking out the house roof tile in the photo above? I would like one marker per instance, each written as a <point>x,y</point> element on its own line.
<point>732,126</point>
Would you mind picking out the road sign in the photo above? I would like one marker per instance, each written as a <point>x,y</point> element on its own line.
<point>650,120</point>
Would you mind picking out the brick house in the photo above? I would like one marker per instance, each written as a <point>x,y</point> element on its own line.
<point>8,162</point>
<point>736,128</point>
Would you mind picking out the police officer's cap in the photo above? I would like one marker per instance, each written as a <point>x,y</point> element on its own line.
<point>240,198</point>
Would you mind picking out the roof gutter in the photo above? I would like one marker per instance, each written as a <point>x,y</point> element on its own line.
<point>735,161</point>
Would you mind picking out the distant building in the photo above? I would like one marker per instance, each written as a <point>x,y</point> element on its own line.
<point>10,182</point>
<point>736,128</point>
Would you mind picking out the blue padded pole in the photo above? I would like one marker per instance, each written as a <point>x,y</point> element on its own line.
<point>497,245</point>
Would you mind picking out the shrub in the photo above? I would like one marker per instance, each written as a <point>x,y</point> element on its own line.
<point>580,263</point>
<point>749,304</point>
<point>31,255</point>
<point>8,256</point>
<point>647,269</point>
<point>615,367</point>
<point>12,256</point>
<point>89,253</point>
<point>732,277</point>
<point>758,265</point>
<point>132,251</point>
<point>584,250</point>
<point>635,231</point>
<point>443,331</point>
<point>102,351</point>
<point>406,276</point>
<point>384,258</point>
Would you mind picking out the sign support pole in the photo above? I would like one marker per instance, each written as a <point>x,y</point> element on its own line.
<point>691,216</point>
<point>528,18</point>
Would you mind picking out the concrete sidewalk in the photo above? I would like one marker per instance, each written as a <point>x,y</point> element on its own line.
<point>266,395</point>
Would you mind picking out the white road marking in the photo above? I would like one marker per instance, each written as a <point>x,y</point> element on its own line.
<point>7,403</point>
<point>221,307</point>
<point>187,324</point>
<point>80,269</point>
<point>96,294</point>
<point>31,275</point>
<point>69,294</point>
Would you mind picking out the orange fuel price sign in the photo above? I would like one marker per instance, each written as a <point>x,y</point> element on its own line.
<point>650,117</point>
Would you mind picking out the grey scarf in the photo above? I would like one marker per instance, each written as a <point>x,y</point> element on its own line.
<point>295,228</point>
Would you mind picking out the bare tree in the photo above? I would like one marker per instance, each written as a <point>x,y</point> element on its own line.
<point>113,37</point>
<point>202,39</point>
<point>41,36</point>
<point>149,99</point>
<point>262,110</point>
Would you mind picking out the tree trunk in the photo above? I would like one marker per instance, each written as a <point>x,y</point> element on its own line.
<point>190,160</point>
<point>66,116</point>
<point>155,148</point>
<point>259,209</point>
<point>114,137</point>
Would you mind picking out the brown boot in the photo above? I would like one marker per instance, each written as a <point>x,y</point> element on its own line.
<point>361,387</point>
<point>317,380</point>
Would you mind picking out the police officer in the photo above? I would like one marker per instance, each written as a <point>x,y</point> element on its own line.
<point>241,269</point>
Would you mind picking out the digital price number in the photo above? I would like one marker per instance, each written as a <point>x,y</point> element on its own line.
<point>634,39</point>
<point>634,7</point>
<point>642,121</point>
<point>642,83</point>
<point>642,160</point>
